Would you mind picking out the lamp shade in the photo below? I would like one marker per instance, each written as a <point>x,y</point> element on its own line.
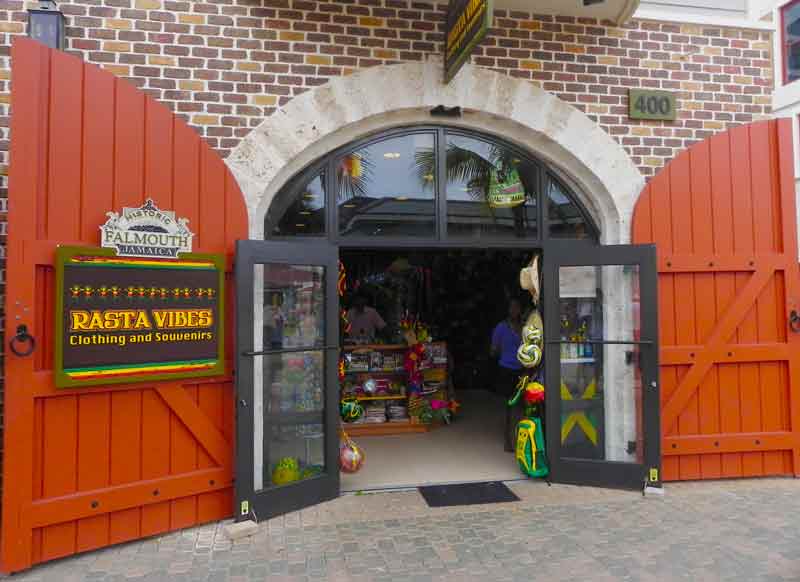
<point>46,24</point>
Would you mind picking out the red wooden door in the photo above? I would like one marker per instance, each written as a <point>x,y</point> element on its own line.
<point>722,215</point>
<point>92,467</point>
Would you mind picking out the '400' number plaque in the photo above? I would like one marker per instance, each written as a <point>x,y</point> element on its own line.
<point>652,105</point>
<point>131,319</point>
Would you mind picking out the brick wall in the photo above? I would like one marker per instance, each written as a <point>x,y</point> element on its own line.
<point>226,64</point>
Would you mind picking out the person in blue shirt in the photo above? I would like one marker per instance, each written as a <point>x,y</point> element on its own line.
<point>506,339</point>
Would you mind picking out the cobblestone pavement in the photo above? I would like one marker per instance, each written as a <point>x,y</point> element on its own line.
<point>727,530</point>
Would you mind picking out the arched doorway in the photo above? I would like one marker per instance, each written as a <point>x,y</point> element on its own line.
<point>435,188</point>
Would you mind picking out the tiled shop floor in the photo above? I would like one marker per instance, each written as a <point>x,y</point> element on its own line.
<point>725,530</point>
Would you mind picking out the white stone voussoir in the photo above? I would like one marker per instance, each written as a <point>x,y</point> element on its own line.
<point>374,99</point>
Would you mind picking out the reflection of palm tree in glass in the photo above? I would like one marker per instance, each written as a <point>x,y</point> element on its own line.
<point>476,172</point>
<point>353,175</point>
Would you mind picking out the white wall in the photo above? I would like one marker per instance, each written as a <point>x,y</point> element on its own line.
<point>746,13</point>
<point>763,8</point>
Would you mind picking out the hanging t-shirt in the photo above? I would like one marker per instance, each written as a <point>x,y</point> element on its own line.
<point>365,323</point>
<point>507,342</point>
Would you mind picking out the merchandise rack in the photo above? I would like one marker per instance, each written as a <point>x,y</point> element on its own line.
<point>388,427</point>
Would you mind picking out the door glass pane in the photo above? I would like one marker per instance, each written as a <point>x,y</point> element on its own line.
<point>601,385</point>
<point>302,214</point>
<point>599,303</point>
<point>491,191</point>
<point>791,41</point>
<point>601,402</point>
<point>288,407</point>
<point>565,218</point>
<point>293,402</point>
<point>294,302</point>
<point>388,188</point>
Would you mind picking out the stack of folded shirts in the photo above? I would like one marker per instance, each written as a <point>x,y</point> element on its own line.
<point>397,412</point>
<point>375,414</point>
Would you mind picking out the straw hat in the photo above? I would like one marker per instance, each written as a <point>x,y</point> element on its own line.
<point>529,278</point>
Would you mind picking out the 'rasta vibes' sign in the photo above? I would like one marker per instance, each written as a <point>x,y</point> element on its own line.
<point>129,319</point>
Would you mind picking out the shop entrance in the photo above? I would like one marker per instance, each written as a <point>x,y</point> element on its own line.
<point>425,199</point>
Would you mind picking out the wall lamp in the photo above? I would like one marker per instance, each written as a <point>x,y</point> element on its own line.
<point>47,24</point>
<point>442,111</point>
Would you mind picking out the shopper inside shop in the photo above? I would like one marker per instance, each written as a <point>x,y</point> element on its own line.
<point>365,321</point>
<point>506,339</point>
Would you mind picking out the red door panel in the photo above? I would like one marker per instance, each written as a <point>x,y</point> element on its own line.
<point>722,215</point>
<point>87,468</point>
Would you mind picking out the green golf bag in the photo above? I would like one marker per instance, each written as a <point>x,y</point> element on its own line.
<point>530,448</point>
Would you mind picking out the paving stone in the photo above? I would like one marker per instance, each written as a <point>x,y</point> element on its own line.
<point>714,531</point>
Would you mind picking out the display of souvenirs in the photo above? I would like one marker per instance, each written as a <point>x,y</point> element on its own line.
<point>357,362</point>
<point>374,377</point>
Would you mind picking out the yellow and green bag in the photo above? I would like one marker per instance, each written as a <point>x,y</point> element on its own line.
<point>530,448</point>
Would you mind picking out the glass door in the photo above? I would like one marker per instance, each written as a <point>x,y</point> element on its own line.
<point>602,415</point>
<point>287,389</point>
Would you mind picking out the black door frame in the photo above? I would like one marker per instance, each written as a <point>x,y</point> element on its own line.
<point>272,501</point>
<point>554,250</point>
<point>602,472</point>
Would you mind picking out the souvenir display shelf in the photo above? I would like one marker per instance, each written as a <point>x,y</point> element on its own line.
<point>390,369</point>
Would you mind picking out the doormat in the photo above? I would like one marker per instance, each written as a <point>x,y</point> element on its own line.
<point>467,494</point>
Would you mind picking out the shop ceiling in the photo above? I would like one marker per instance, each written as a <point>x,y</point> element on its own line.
<point>615,10</point>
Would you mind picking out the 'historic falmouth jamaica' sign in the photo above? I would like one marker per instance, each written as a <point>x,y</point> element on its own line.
<point>128,314</point>
<point>146,232</point>
<point>468,21</point>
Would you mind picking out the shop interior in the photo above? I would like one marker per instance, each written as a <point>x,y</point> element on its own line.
<point>452,429</point>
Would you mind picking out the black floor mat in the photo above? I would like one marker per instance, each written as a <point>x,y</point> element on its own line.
<point>467,494</point>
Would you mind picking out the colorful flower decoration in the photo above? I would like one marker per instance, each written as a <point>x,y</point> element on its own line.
<point>342,282</point>
<point>346,325</point>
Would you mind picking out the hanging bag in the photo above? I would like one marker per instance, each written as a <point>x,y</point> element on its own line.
<point>351,456</point>
<point>531,456</point>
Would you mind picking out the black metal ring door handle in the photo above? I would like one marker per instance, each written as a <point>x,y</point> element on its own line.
<point>794,321</point>
<point>22,337</point>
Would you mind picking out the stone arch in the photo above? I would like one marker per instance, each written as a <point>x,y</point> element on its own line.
<point>348,108</point>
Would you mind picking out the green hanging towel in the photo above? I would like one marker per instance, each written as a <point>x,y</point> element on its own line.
<point>530,448</point>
